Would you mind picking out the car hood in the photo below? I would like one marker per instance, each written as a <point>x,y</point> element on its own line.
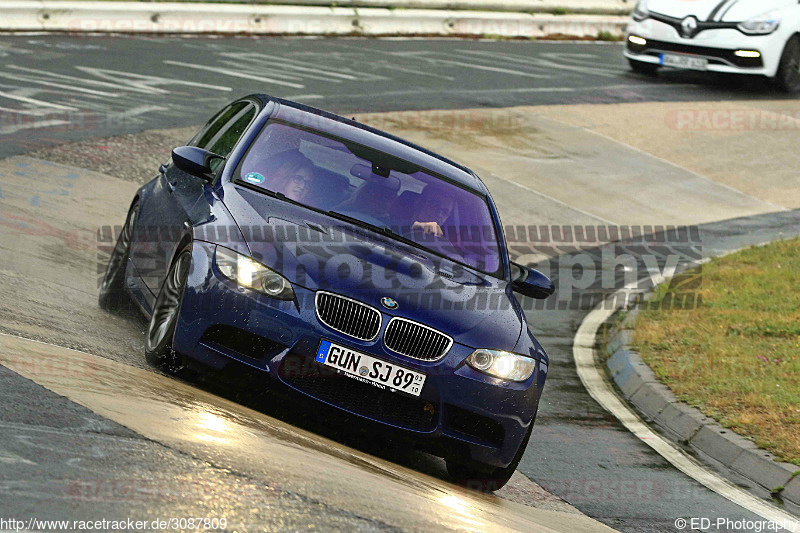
<point>734,10</point>
<point>316,252</point>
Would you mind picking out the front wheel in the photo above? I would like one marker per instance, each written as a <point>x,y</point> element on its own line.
<point>484,478</point>
<point>788,76</point>
<point>112,290</point>
<point>161,330</point>
<point>642,67</point>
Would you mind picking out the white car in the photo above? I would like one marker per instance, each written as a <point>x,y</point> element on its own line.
<point>738,36</point>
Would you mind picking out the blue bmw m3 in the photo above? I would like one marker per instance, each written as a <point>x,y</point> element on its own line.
<point>349,265</point>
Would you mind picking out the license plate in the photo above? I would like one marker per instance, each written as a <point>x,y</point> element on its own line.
<point>684,61</point>
<point>368,369</point>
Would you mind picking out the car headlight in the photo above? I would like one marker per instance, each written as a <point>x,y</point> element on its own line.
<point>640,12</point>
<point>503,365</point>
<point>252,274</point>
<point>763,24</point>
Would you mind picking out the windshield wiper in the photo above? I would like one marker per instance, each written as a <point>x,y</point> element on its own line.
<point>381,230</point>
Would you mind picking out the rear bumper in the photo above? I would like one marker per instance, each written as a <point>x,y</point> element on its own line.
<point>457,406</point>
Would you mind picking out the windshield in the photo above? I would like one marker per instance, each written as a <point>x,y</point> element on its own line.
<point>351,181</point>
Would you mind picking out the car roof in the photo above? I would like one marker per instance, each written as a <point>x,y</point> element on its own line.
<point>326,122</point>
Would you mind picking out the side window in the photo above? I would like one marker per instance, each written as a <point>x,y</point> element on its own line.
<point>213,126</point>
<point>224,141</point>
<point>224,130</point>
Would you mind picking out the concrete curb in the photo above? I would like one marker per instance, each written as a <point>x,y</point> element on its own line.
<point>687,425</point>
<point>247,19</point>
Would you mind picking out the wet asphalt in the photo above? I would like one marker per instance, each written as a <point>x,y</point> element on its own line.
<point>60,461</point>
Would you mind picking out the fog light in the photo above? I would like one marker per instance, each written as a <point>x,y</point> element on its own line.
<point>635,39</point>
<point>747,53</point>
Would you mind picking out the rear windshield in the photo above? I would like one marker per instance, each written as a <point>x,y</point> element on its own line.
<point>330,174</point>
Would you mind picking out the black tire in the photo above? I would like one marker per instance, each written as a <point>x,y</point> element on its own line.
<point>484,478</point>
<point>788,76</point>
<point>640,67</point>
<point>113,296</point>
<point>161,329</point>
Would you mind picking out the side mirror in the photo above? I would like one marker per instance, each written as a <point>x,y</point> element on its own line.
<point>195,161</point>
<point>530,282</point>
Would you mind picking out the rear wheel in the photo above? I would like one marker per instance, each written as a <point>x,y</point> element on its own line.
<point>788,76</point>
<point>161,330</point>
<point>484,478</point>
<point>112,290</point>
<point>642,67</point>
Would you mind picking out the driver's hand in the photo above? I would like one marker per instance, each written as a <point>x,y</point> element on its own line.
<point>428,227</point>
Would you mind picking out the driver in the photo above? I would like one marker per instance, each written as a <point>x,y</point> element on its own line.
<point>375,197</point>
<point>431,210</point>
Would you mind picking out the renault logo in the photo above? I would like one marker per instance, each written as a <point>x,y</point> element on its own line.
<point>688,27</point>
<point>389,303</point>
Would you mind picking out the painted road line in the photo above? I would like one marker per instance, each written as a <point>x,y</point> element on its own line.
<point>83,80</point>
<point>14,128</point>
<point>299,66</point>
<point>547,62</point>
<point>227,72</point>
<point>36,102</point>
<point>10,458</point>
<point>593,378</point>
<point>426,56</point>
<point>17,77</point>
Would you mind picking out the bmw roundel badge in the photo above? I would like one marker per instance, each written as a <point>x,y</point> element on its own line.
<point>389,303</point>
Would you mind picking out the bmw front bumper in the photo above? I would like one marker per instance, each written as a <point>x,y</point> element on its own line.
<point>458,407</point>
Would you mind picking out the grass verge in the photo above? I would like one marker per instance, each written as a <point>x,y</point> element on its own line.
<point>737,356</point>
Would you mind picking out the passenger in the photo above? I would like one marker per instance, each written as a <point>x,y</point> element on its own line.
<point>291,174</point>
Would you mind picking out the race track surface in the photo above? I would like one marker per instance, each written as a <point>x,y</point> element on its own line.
<point>94,432</point>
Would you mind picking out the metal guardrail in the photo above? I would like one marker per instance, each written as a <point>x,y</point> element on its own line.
<point>250,19</point>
